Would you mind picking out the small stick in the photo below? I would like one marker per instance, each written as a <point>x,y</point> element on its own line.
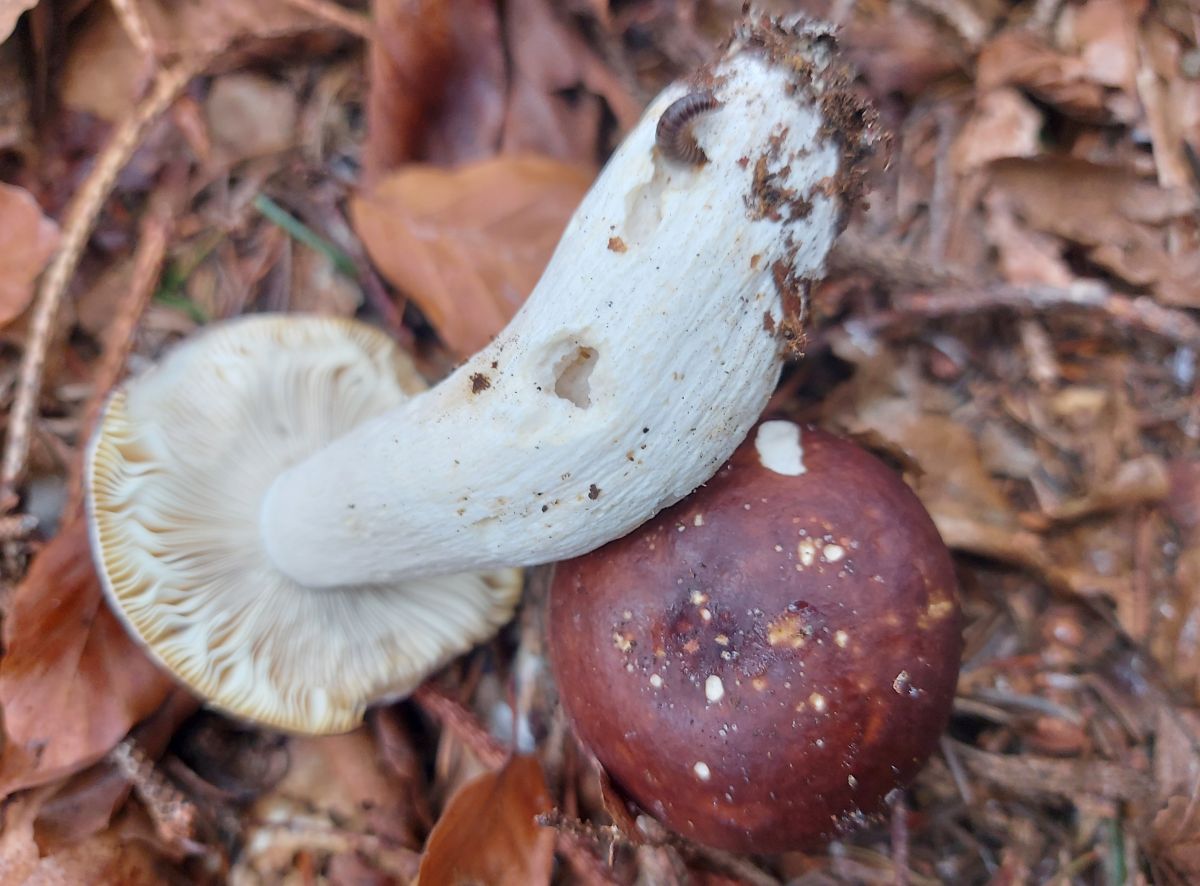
<point>465,726</point>
<point>80,220</point>
<point>900,838</point>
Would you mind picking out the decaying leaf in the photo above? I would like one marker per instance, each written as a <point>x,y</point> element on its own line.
<point>437,84</point>
<point>104,73</point>
<point>1118,216</point>
<point>1017,57</point>
<point>468,245</point>
<point>1003,124</point>
<point>104,858</point>
<point>250,115</point>
<point>558,82</point>
<point>27,240</point>
<point>72,682</point>
<point>488,833</point>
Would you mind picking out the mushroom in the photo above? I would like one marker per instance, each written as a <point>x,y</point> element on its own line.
<point>762,664</point>
<point>285,521</point>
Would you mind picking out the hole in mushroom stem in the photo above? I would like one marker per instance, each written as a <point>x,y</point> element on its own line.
<point>571,374</point>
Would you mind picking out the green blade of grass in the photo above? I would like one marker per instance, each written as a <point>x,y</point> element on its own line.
<point>302,233</point>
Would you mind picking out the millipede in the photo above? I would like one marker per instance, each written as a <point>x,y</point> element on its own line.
<point>674,132</point>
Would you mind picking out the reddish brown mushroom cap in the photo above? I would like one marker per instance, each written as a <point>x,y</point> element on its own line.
<point>760,665</point>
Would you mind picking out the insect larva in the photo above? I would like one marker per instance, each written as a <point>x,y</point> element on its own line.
<point>674,133</point>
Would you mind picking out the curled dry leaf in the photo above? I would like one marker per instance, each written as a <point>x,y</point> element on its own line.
<point>72,682</point>
<point>488,833</point>
<point>467,245</point>
<point>10,11</point>
<point>27,240</point>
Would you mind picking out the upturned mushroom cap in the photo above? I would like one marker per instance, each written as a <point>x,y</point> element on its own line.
<point>760,665</point>
<point>178,469</point>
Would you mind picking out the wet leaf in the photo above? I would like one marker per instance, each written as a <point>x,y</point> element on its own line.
<point>468,245</point>
<point>72,682</point>
<point>27,240</point>
<point>487,833</point>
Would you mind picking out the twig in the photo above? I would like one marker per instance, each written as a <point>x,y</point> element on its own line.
<point>900,840</point>
<point>580,843</point>
<point>1137,312</point>
<point>173,814</point>
<point>465,726</point>
<point>135,27</point>
<point>80,219</point>
<point>961,17</point>
<point>947,291</point>
<point>351,22</point>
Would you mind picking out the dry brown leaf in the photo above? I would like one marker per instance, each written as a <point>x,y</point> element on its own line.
<point>250,115</point>
<point>1181,631</point>
<point>27,240</point>
<point>468,245</point>
<point>72,682</point>
<point>1018,57</point>
<point>899,51</point>
<point>10,11</point>
<point>84,804</point>
<point>560,87</point>
<point>1104,34</point>
<point>1026,256</point>
<point>104,858</point>
<point>438,82</point>
<point>488,833</point>
<point>103,72</point>
<point>1175,836</point>
<point>1116,215</point>
<point>1003,124</point>
<point>342,801</point>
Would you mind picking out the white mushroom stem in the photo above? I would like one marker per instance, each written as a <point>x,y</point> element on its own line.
<point>642,358</point>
